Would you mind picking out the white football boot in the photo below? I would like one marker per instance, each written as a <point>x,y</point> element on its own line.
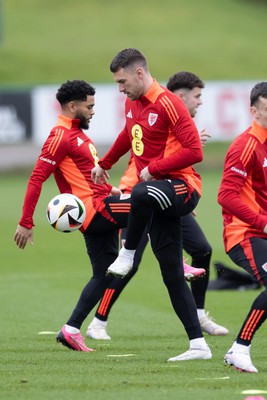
<point>202,353</point>
<point>239,358</point>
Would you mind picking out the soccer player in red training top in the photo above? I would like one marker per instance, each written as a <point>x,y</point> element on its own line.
<point>188,87</point>
<point>70,155</point>
<point>169,186</point>
<point>243,197</point>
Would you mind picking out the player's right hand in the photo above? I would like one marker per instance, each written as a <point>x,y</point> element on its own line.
<point>22,236</point>
<point>99,175</point>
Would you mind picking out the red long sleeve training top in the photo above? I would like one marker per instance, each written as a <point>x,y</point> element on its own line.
<point>243,190</point>
<point>162,136</point>
<point>70,155</point>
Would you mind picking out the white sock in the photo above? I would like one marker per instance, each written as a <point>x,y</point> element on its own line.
<point>97,321</point>
<point>199,343</point>
<point>71,329</point>
<point>127,253</point>
<point>201,313</point>
<point>240,348</point>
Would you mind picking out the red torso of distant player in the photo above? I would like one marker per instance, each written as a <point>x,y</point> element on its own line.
<point>243,190</point>
<point>70,155</point>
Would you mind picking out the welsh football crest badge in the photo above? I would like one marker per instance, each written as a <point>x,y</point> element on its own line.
<point>152,118</point>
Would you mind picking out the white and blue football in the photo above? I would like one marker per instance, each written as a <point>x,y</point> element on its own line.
<point>66,212</point>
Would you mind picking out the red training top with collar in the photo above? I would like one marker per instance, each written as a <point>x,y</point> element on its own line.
<point>162,136</point>
<point>243,190</point>
<point>70,155</point>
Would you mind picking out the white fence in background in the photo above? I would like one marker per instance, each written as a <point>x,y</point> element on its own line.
<point>224,113</point>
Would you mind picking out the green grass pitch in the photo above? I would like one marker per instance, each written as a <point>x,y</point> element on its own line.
<point>41,284</point>
<point>45,42</point>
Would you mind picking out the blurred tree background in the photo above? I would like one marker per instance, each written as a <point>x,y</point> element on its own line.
<point>49,41</point>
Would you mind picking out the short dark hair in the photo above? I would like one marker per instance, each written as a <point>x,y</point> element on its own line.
<point>259,90</point>
<point>127,58</point>
<point>74,90</point>
<point>184,80</point>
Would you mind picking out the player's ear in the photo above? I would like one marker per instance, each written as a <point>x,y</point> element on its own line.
<point>180,93</point>
<point>254,112</point>
<point>72,107</point>
<point>139,72</point>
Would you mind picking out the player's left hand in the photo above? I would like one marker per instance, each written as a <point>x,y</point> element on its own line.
<point>204,137</point>
<point>115,191</point>
<point>99,175</point>
<point>145,175</point>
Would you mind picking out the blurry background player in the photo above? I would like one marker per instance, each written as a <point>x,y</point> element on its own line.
<point>188,87</point>
<point>243,197</point>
